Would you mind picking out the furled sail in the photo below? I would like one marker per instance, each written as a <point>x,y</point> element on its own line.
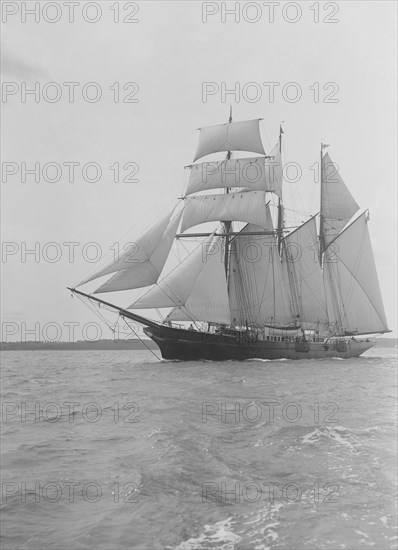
<point>337,204</point>
<point>142,263</point>
<point>254,173</point>
<point>300,263</point>
<point>197,288</point>
<point>351,282</point>
<point>257,291</point>
<point>245,207</point>
<point>232,136</point>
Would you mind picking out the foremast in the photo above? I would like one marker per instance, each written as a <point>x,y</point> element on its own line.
<point>267,178</point>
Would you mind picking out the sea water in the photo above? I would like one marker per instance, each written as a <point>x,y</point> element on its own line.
<point>118,450</point>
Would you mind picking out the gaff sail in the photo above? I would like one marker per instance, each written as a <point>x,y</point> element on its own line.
<point>351,282</point>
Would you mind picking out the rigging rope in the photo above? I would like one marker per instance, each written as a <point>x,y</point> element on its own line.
<point>141,340</point>
<point>115,325</point>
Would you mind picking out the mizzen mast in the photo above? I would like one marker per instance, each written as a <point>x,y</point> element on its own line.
<point>321,215</point>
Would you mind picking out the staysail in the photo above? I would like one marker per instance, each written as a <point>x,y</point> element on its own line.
<point>208,299</point>
<point>351,282</point>
<point>197,288</point>
<point>337,204</point>
<point>142,263</point>
<point>232,136</point>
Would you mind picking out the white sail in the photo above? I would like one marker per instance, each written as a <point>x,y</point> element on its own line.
<point>232,136</point>
<point>208,300</point>
<point>245,207</point>
<point>254,173</point>
<point>302,270</point>
<point>198,286</point>
<point>337,204</point>
<point>141,265</point>
<point>257,290</point>
<point>352,286</point>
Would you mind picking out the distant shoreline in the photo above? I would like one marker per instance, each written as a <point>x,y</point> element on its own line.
<point>79,345</point>
<point>132,345</point>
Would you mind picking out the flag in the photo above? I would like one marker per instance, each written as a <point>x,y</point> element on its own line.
<point>324,145</point>
<point>281,130</point>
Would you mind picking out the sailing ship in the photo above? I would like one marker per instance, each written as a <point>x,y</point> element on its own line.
<point>253,286</point>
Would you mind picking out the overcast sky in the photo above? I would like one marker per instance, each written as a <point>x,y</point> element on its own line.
<point>169,53</point>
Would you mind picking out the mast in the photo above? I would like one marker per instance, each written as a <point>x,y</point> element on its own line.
<point>280,207</point>
<point>227,225</point>
<point>321,234</point>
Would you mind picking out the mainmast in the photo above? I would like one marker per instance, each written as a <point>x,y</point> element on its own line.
<point>280,207</point>
<point>227,225</point>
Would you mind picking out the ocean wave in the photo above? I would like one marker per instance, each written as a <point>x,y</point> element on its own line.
<point>219,536</point>
<point>339,435</point>
<point>268,360</point>
<point>257,530</point>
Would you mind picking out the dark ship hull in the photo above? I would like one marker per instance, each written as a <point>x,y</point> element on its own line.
<point>187,345</point>
<point>228,343</point>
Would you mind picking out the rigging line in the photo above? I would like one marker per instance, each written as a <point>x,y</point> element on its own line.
<point>251,286</point>
<point>270,263</point>
<point>247,289</point>
<point>334,282</point>
<point>292,277</point>
<point>273,288</point>
<point>95,311</point>
<point>351,286</point>
<point>313,293</point>
<point>303,279</point>
<point>252,282</point>
<point>348,225</point>
<point>285,290</point>
<point>341,303</point>
<point>191,316</point>
<point>141,340</point>
<point>238,290</point>
<point>329,306</point>
<point>272,257</point>
<point>295,196</point>
<point>286,282</point>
